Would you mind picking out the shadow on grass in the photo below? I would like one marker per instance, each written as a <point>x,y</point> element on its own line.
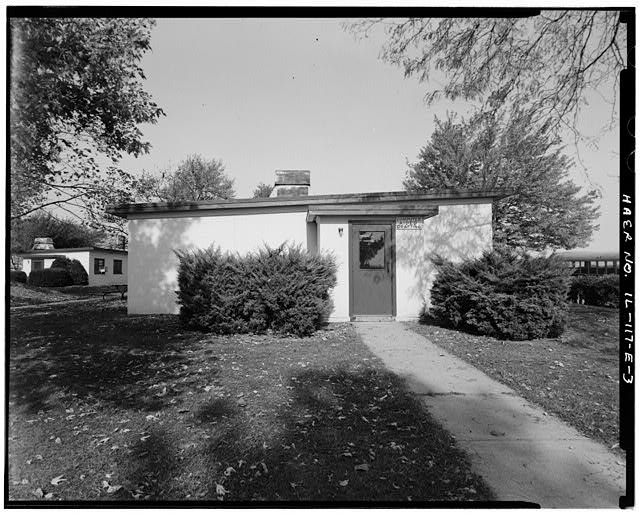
<point>214,410</point>
<point>155,463</point>
<point>343,431</point>
<point>95,352</point>
<point>347,436</point>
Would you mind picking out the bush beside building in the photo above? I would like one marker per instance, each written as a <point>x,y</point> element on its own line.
<point>503,294</point>
<point>285,290</point>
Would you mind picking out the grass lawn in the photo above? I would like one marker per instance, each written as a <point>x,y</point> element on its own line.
<point>105,406</point>
<point>24,295</point>
<point>574,377</point>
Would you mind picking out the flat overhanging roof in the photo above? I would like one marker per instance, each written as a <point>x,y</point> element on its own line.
<point>56,252</point>
<point>372,201</point>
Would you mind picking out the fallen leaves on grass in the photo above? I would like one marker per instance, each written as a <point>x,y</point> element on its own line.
<point>315,408</point>
<point>111,489</point>
<point>57,480</point>
<point>221,492</point>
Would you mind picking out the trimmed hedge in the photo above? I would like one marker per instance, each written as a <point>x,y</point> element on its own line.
<point>503,294</point>
<point>284,290</point>
<point>50,277</point>
<point>17,276</point>
<point>596,290</point>
<point>78,274</point>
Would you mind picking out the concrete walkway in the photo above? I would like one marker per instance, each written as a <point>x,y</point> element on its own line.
<point>522,453</point>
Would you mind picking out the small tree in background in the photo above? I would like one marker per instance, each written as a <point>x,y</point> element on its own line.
<point>263,190</point>
<point>546,210</point>
<point>195,178</point>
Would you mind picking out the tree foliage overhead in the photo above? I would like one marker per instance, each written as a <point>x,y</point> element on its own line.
<point>195,178</point>
<point>546,209</point>
<point>544,64</point>
<point>75,106</point>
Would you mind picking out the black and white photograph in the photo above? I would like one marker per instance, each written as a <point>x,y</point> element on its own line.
<point>320,256</point>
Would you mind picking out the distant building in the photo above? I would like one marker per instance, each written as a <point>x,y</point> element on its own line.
<point>104,267</point>
<point>589,262</point>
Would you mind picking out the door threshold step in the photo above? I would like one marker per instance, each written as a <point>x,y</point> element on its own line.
<point>372,318</point>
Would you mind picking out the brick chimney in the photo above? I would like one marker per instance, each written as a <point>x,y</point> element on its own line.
<point>292,183</point>
<point>42,244</point>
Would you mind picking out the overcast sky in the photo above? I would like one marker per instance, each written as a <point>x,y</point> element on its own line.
<point>275,94</point>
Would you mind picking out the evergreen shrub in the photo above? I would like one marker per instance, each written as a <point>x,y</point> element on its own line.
<point>78,273</point>
<point>18,276</point>
<point>504,294</point>
<point>283,289</point>
<point>50,277</point>
<point>596,290</point>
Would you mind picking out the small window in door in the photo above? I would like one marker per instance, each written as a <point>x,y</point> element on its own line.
<point>37,264</point>
<point>371,250</point>
<point>117,267</point>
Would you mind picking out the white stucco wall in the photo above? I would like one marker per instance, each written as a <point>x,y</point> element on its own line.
<point>83,257</point>
<point>329,239</point>
<point>152,241</point>
<point>108,278</point>
<point>458,231</point>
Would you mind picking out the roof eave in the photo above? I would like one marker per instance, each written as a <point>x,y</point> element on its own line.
<point>123,210</point>
<point>77,249</point>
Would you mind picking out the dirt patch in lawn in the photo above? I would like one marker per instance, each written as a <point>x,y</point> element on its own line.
<point>574,377</point>
<point>106,406</point>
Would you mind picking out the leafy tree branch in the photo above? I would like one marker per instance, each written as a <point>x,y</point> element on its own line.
<point>543,64</point>
<point>76,104</point>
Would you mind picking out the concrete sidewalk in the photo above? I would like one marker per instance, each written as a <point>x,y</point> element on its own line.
<point>522,453</point>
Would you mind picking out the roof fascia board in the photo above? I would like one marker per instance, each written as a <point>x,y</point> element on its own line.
<point>43,256</point>
<point>217,212</point>
<point>128,210</point>
<point>373,211</point>
<point>68,251</point>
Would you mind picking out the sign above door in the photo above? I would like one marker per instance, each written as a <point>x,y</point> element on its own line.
<point>409,223</point>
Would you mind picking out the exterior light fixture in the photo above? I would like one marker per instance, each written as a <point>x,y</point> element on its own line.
<point>340,230</point>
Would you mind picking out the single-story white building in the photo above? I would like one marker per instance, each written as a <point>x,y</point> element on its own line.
<point>383,242</point>
<point>104,267</point>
